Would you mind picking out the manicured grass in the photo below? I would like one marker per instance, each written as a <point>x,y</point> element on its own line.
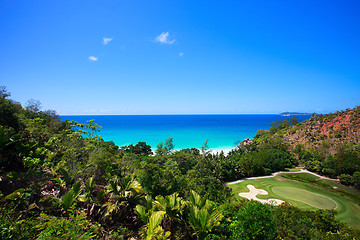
<point>293,169</point>
<point>309,194</point>
<point>310,198</point>
<point>303,177</point>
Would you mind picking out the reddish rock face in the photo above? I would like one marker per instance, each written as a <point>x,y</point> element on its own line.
<point>337,124</point>
<point>332,128</point>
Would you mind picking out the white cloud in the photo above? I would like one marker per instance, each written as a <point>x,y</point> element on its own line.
<point>181,54</point>
<point>92,58</point>
<point>163,38</point>
<point>106,40</point>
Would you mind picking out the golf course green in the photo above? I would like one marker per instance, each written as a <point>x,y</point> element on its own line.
<point>304,196</point>
<point>309,192</point>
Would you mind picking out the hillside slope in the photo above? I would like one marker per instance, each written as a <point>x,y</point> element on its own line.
<point>336,128</point>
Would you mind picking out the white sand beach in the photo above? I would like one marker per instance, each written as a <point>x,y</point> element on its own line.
<point>218,151</point>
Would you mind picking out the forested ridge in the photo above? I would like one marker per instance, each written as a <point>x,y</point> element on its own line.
<point>61,180</point>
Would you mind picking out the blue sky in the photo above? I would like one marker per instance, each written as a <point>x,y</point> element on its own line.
<point>181,57</point>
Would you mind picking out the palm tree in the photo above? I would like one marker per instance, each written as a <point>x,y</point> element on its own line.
<point>152,218</point>
<point>123,195</point>
<point>89,187</point>
<point>153,230</point>
<point>144,212</point>
<point>203,216</point>
<point>173,206</point>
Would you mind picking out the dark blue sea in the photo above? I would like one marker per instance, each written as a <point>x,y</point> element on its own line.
<point>188,131</point>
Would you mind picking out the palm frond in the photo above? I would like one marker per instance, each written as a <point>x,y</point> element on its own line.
<point>142,212</point>
<point>100,196</point>
<point>68,179</point>
<point>77,188</point>
<point>90,185</point>
<point>68,199</point>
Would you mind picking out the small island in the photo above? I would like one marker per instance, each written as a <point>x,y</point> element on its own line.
<point>293,113</point>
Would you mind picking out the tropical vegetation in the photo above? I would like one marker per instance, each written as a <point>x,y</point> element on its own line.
<point>60,179</point>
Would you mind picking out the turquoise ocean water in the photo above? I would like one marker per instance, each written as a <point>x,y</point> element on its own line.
<point>222,131</point>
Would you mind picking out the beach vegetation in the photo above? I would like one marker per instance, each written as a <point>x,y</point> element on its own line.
<point>165,148</point>
<point>141,149</point>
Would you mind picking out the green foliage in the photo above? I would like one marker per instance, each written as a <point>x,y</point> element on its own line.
<point>185,160</point>
<point>281,124</point>
<point>75,227</point>
<point>93,128</point>
<point>4,93</point>
<point>198,213</point>
<point>121,233</point>
<point>205,148</point>
<point>299,224</point>
<point>32,163</point>
<point>203,216</point>
<point>294,121</point>
<point>42,147</point>
<point>33,105</point>
<point>66,176</point>
<point>165,149</point>
<point>344,163</point>
<point>10,146</point>
<point>67,201</point>
<point>272,142</point>
<point>9,111</point>
<point>356,179</point>
<point>205,178</point>
<point>88,190</point>
<point>153,229</point>
<point>253,220</point>
<point>77,188</point>
<point>144,212</point>
<point>276,160</point>
<point>14,225</point>
<point>7,231</point>
<point>192,151</point>
<point>123,195</point>
<point>172,205</point>
<point>141,149</point>
<point>346,179</point>
<point>160,175</point>
<point>152,214</point>
<point>20,198</point>
<point>18,194</point>
<point>98,162</point>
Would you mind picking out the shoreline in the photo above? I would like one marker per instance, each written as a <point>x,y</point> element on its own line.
<point>212,151</point>
<point>215,150</point>
<point>218,150</point>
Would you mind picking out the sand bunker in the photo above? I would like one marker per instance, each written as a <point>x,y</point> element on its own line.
<point>253,192</point>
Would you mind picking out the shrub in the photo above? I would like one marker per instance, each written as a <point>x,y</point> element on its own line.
<point>14,226</point>
<point>254,221</point>
<point>346,179</point>
<point>75,227</point>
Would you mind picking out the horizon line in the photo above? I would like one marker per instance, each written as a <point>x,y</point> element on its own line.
<point>177,114</point>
